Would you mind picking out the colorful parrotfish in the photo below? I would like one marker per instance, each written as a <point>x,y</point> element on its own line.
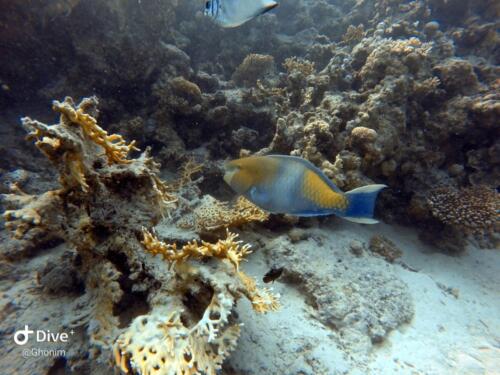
<point>292,185</point>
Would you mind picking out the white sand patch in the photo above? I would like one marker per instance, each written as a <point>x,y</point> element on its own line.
<point>455,329</point>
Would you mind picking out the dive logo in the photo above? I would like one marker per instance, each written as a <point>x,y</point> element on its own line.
<point>22,336</point>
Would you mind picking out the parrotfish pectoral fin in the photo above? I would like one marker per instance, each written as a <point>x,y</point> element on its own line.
<point>362,203</point>
<point>259,197</point>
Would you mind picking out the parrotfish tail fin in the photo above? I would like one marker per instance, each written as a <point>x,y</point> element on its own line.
<point>362,203</point>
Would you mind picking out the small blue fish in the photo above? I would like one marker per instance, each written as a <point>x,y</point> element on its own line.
<point>233,13</point>
<point>292,185</point>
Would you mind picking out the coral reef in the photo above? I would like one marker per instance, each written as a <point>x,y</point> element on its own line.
<point>95,176</point>
<point>394,92</point>
<point>212,215</point>
<point>160,343</point>
<point>253,68</point>
<point>472,210</point>
<point>229,249</point>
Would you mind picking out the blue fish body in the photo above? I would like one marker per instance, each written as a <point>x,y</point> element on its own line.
<point>292,185</point>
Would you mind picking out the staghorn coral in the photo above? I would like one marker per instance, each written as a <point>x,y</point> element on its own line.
<point>473,210</point>
<point>212,215</point>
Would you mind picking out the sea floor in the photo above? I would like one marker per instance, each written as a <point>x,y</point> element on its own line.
<point>455,328</point>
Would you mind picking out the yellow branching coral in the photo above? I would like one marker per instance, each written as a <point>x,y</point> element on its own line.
<point>295,64</point>
<point>474,209</point>
<point>212,215</point>
<point>160,343</point>
<point>262,299</point>
<point>230,249</point>
<point>115,147</point>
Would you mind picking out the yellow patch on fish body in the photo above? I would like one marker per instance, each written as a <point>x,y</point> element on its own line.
<point>318,191</point>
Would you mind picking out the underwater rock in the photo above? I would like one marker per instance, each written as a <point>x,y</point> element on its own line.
<point>457,76</point>
<point>60,276</point>
<point>362,301</point>
<point>385,248</point>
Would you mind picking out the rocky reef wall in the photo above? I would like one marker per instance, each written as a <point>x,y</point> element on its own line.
<point>400,92</point>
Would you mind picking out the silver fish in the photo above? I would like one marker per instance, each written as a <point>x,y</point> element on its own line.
<point>233,13</point>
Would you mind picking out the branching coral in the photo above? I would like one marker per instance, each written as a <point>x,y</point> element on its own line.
<point>103,201</point>
<point>474,210</point>
<point>115,147</point>
<point>262,299</point>
<point>212,215</point>
<point>227,249</point>
<point>186,173</point>
<point>224,249</point>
